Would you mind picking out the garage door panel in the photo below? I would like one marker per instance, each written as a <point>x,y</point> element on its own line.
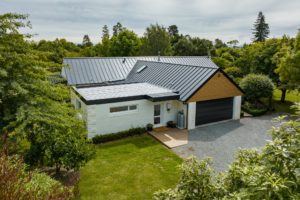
<point>213,110</point>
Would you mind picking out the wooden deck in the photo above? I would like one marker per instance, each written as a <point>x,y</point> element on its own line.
<point>171,137</point>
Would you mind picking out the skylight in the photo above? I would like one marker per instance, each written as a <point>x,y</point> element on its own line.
<point>141,69</point>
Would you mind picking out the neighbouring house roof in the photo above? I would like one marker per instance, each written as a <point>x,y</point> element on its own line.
<point>97,70</point>
<point>124,92</point>
<point>185,79</point>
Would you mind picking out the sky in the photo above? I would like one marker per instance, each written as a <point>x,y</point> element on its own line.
<point>210,19</point>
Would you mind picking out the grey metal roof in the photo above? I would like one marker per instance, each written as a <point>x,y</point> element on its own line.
<point>185,79</point>
<point>95,70</point>
<point>124,92</point>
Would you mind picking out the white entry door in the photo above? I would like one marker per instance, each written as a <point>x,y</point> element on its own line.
<point>157,115</point>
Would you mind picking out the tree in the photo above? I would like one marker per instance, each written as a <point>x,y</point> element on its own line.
<point>173,31</point>
<point>257,86</point>
<point>233,43</point>
<point>105,32</point>
<point>183,47</point>
<point>233,72</point>
<point>105,43</point>
<point>58,49</point>
<point>117,29</point>
<point>156,41</point>
<point>261,28</point>
<point>34,109</point>
<point>86,42</point>
<point>126,43</point>
<point>219,44</point>
<point>201,47</point>
<point>288,67</point>
<point>268,173</point>
<point>174,35</point>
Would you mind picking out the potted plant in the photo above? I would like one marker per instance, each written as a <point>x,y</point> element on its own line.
<point>149,127</point>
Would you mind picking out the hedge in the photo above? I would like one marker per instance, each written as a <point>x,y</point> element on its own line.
<point>254,111</point>
<point>98,139</point>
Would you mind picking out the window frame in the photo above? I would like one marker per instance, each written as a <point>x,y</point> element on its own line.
<point>123,112</point>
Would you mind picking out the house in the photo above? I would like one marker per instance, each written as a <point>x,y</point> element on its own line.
<point>115,94</point>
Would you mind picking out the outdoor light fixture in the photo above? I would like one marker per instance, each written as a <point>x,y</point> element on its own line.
<point>168,106</point>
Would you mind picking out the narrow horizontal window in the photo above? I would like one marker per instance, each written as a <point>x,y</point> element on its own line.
<point>118,109</point>
<point>123,108</point>
<point>133,107</point>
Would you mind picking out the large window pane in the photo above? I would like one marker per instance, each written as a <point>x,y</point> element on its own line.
<point>157,110</point>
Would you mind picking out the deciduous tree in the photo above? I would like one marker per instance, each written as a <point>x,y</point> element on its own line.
<point>156,41</point>
<point>125,43</point>
<point>33,108</point>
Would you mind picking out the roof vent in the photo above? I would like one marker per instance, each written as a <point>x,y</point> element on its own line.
<point>124,60</point>
<point>158,57</point>
<point>141,69</point>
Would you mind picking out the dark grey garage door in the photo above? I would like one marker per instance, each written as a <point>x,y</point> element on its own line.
<point>213,110</point>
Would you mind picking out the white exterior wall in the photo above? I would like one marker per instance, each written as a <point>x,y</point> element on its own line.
<point>191,115</point>
<point>237,101</point>
<point>83,108</point>
<point>99,120</point>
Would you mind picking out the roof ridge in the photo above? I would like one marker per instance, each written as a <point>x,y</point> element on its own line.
<point>121,57</point>
<point>148,61</point>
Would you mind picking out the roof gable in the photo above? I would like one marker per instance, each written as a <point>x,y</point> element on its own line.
<point>217,87</point>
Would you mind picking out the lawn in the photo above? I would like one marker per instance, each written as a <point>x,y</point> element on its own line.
<point>291,97</point>
<point>131,168</point>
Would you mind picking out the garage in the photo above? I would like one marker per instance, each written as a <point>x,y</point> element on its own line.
<point>213,110</point>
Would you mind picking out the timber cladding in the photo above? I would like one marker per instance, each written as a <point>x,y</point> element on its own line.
<point>217,87</point>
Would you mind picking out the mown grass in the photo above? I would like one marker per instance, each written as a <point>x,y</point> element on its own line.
<point>131,168</point>
<point>291,98</point>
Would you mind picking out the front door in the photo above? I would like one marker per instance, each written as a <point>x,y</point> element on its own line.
<point>157,115</point>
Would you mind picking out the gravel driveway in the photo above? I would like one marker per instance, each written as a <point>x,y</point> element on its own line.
<point>221,141</point>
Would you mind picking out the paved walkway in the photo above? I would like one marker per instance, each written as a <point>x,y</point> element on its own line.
<point>221,141</point>
<point>171,137</point>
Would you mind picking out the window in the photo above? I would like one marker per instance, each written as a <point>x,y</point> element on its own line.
<point>133,107</point>
<point>78,104</point>
<point>123,108</point>
<point>118,109</point>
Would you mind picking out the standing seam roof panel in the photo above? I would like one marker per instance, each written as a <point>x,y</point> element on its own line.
<point>99,70</point>
<point>186,79</point>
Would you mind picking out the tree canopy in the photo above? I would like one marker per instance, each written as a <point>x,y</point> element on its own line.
<point>156,41</point>
<point>34,109</point>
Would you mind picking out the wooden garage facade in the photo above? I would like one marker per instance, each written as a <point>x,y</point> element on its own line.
<point>215,101</point>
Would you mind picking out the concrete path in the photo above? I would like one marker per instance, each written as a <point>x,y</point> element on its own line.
<point>221,141</point>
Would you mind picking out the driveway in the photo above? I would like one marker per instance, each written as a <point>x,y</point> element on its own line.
<point>221,141</point>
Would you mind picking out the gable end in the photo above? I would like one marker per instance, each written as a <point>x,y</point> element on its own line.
<point>217,87</point>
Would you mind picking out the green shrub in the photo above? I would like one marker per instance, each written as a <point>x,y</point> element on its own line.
<point>115,136</point>
<point>17,183</point>
<point>257,86</point>
<point>254,111</point>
